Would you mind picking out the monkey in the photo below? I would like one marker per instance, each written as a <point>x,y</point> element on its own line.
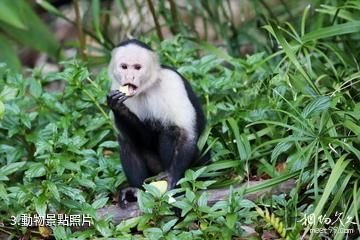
<point>158,116</point>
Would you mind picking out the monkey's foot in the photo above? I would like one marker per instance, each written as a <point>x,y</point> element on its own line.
<point>127,195</point>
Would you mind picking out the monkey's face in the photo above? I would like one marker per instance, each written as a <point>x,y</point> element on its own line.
<point>133,67</point>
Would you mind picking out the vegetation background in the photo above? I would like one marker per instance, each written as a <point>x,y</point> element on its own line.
<point>279,83</point>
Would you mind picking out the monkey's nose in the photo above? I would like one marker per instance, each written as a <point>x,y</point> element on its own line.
<point>130,78</point>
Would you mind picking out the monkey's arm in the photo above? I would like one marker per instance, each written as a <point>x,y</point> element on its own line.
<point>126,121</point>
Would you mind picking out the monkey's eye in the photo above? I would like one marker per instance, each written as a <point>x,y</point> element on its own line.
<point>137,66</point>
<point>123,66</point>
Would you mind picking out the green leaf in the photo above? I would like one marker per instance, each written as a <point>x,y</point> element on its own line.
<point>36,34</point>
<point>104,228</point>
<point>242,143</point>
<point>190,195</point>
<point>73,193</point>
<point>109,144</point>
<point>153,233</point>
<point>231,220</point>
<point>220,205</point>
<point>67,164</point>
<point>272,182</point>
<point>42,147</point>
<point>330,186</point>
<point>35,88</point>
<point>318,105</point>
<point>10,14</point>
<point>288,49</point>
<point>53,190</point>
<point>35,170</point>
<point>25,119</point>
<point>220,165</point>
<point>8,54</point>
<point>3,192</point>
<point>60,233</point>
<point>303,19</point>
<point>353,127</point>
<point>280,148</point>
<point>97,138</point>
<point>154,191</point>
<point>100,203</point>
<point>169,225</point>
<point>8,93</point>
<point>40,204</point>
<point>146,202</point>
<point>184,206</point>
<point>202,201</point>
<point>339,193</point>
<point>11,168</point>
<point>126,225</point>
<point>245,203</point>
<point>95,7</point>
<point>197,173</point>
<point>86,182</point>
<point>335,30</point>
<point>48,7</point>
<point>189,175</point>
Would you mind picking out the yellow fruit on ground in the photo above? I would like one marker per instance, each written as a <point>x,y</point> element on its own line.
<point>161,185</point>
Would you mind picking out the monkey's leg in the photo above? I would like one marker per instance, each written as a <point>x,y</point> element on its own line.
<point>135,169</point>
<point>167,144</point>
<point>177,154</point>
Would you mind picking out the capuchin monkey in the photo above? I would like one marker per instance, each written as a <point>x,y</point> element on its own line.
<point>158,116</point>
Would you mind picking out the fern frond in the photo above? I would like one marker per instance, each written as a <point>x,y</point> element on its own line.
<point>273,221</point>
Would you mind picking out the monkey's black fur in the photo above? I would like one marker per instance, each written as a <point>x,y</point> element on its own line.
<point>136,42</point>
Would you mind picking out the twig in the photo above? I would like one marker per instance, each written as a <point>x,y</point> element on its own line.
<point>268,10</point>
<point>94,100</point>
<point>88,32</point>
<point>97,105</point>
<point>174,17</point>
<point>157,25</point>
<point>80,30</point>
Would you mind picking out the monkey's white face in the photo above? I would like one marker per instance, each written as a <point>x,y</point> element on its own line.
<point>134,67</point>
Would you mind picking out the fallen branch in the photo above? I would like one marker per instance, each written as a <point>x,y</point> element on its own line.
<point>214,195</point>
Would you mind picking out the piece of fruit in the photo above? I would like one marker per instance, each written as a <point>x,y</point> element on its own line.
<point>44,231</point>
<point>161,185</point>
<point>124,89</point>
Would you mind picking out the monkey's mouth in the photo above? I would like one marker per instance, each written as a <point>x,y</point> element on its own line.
<point>132,89</point>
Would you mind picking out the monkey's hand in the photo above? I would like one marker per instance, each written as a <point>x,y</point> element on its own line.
<point>115,99</point>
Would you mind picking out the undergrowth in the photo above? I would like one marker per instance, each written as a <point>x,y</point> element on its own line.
<point>290,114</point>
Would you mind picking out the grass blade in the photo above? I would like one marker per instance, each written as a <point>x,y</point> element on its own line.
<point>292,57</point>
<point>8,55</point>
<point>336,30</point>
<point>336,173</point>
<point>242,144</point>
<point>95,7</point>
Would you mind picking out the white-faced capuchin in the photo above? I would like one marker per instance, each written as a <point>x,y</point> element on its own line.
<point>158,116</point>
